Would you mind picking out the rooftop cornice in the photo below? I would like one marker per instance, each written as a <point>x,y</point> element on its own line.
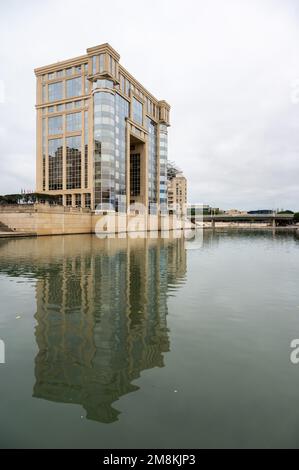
<point>103,48</point>
<point>59,65</point>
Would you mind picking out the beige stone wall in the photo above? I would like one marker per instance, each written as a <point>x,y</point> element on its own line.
<point>56,220</point>
<point>46,220</point>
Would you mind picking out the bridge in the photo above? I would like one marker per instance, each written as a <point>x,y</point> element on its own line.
<point>272,219</point>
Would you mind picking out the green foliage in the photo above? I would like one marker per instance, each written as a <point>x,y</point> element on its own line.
<point>29,198</point>
<point>296,217</point>
<point>285,212</point>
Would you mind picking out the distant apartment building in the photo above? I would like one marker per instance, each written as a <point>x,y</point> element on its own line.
<point>101,136</point>
<point>177,193</point>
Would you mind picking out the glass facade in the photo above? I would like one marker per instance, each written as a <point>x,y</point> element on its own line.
<point>102,168</point>
<point>73,122</point>
<point>74,87</point>
<point>55,91</point>
<point>163,166</point>
<point>137,111</point>
<point>55,151</point>
<point>73,162</point>
<point>55,125</point>
<point>110,113</point>
<point>152,161</point>
<point>86,149</point>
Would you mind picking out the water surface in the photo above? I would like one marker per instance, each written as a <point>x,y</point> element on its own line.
<point>150,343</point>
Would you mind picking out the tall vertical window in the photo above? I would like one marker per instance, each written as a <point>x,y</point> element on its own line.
<point>163,165</point>
<point>55,91</point>
<point>86,149</point>
<point>44,152</point>
<point>102,62</point>
<point>73,162</point>
<point>45,93</point>
<point>135,174</point>
<point>137,111</point>
<point>94,64</point>
<point>55,147</point>
<point>73,122</point>
<point>74,87</point>
<point>55,125</point>
<point>87,200</point>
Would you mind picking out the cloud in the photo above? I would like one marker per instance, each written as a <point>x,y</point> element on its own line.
<point>228,69</point>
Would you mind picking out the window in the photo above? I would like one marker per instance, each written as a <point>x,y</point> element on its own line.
<point>44,94</point>
<point>103,84</point>
<point>94,64</point>
<point>55,125</point>
<point>73,162</point>
<point>127,87</point>
<point>73,87</point>
<point>69,71</point>
<point>87,200</point>
<point>55,163</point>
<point>55,91</point>
<point>51,76</point>
<point>73,122</point>
<point>137,111</point>
<point>122,83</point>
<point>78,200</point>
<point>102,61</point>
<point>68,200</point>
<point>60,107</point>
<point>78,69</point>
<point>59,73</point>
<point>51,109</point>
<point>135,174</point>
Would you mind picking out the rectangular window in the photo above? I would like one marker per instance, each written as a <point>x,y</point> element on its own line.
<point>135,174</point>
<point>59,73</point>
<point>78,200</point>
<point>73,162</point>
<point>74,87</point>
<point>68,200</point>
<point>137,111</point>
<point>86,148</point>
<point>73,122</point>
<point>51,76</point>
<point>44,94</point>
<point>55,147</point>
<point>87,200</point>
<point>69,71</point>
<point>55,91</point>
<point>102,60</point>
<point>55,125</point>
<point>94,64</point>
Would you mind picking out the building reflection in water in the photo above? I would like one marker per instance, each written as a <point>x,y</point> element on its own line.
<point>101,320</point>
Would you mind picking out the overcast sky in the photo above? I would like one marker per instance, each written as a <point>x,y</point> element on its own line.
<point>229,69</point>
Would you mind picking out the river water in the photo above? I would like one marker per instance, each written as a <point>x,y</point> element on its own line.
<point>150,343</point>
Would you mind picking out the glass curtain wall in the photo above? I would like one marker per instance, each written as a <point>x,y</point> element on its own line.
<point>163,167</point>
<point>110,111</point>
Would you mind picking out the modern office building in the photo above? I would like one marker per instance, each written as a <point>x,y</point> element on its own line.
<point>177,194</point>
<point>101,136</point>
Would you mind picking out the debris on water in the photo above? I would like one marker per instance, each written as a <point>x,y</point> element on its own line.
<point>18,317</point>
<point>175,391</point>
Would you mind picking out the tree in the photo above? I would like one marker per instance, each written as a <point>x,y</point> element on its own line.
<point>296,217</point>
